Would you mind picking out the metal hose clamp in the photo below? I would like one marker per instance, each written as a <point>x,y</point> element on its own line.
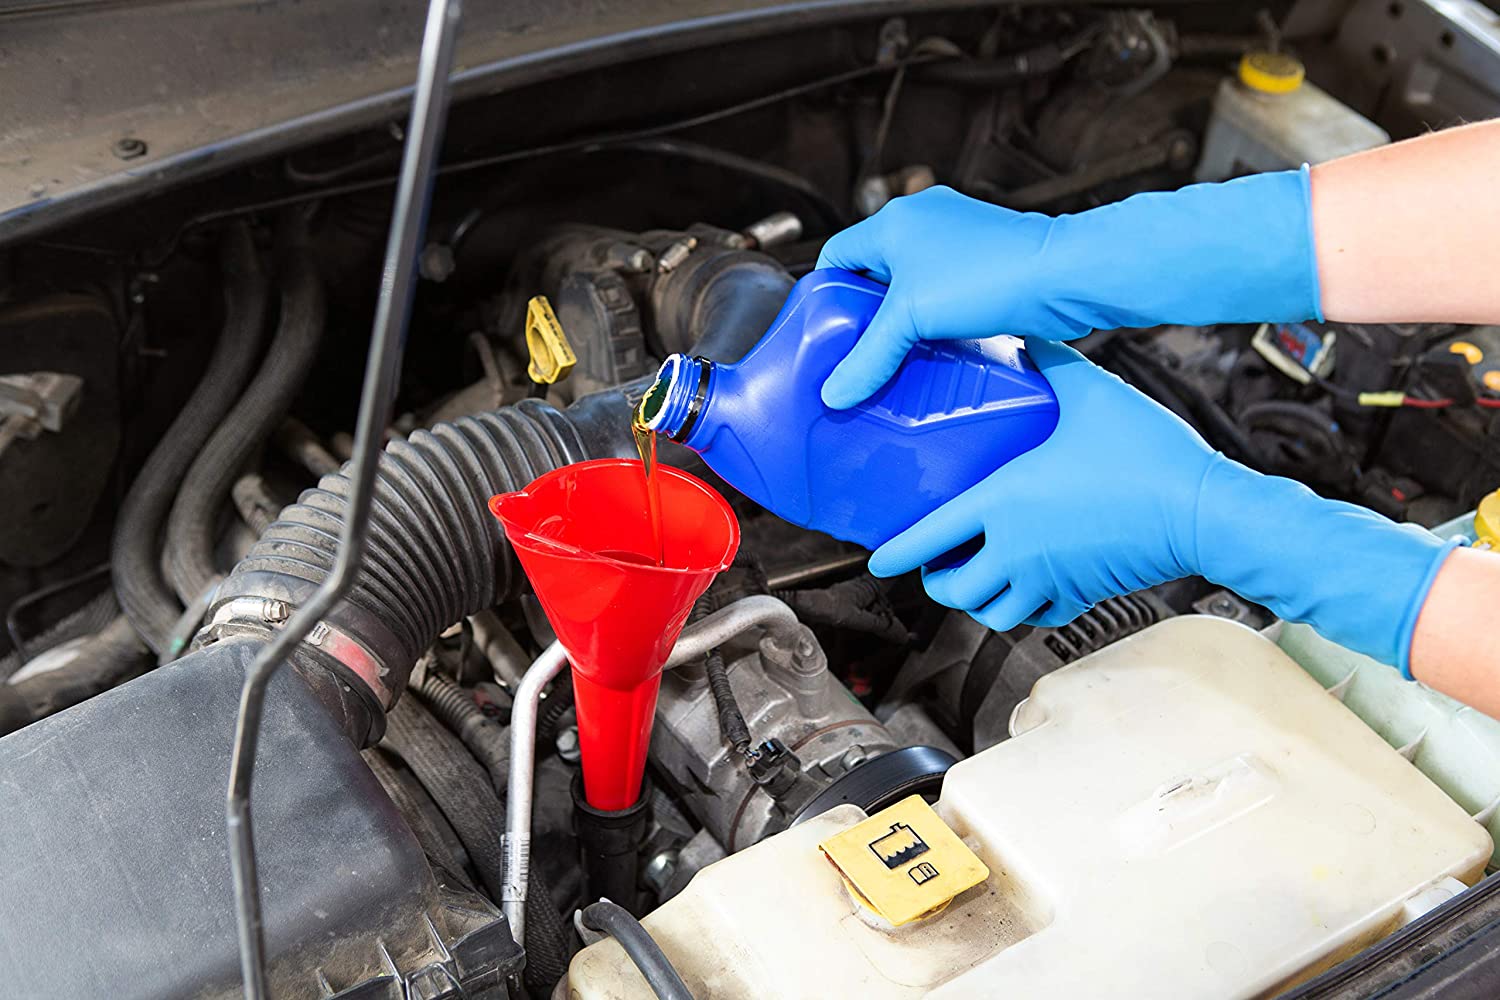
<point>258,616</point>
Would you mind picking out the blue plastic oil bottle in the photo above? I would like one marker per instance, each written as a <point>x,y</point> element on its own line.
<point>954,412</point>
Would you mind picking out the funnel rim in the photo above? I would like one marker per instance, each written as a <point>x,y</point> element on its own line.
<point>566,550</point>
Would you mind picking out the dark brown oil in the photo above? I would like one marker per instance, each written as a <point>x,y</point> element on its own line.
<point>645,446</point>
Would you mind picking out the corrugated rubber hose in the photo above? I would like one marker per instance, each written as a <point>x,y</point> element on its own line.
<point>435,553</point>
<point>461,789</point>
<point>189,557</point>
<point>144,596</point>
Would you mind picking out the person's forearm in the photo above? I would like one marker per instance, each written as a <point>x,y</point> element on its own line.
<point>1355,576</point>
<point>1406,233</point>
<point>1456,646</point>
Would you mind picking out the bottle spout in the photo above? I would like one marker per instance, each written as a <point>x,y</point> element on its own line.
<point>676,399</point>
<point>583,536</point>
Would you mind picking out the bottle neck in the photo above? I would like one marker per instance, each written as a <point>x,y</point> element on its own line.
<point>675,401</point>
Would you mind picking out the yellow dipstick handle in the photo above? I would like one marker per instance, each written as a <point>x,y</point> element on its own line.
<point>552,357</point>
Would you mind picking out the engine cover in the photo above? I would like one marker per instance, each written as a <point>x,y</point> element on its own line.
<point>117,875</point>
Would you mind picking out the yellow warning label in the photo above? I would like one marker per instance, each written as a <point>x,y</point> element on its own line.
<point>904,862</point>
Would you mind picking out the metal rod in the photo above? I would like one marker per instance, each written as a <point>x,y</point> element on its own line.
<point>696,640</point>
<point>796,576</point>
<point>382,370</point>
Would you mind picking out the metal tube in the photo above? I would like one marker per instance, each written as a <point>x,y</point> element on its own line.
<point>726,623</point>
<point>516,845</point>
<point>382,371</point>
<point>694,643</point>
<point>796,576</point>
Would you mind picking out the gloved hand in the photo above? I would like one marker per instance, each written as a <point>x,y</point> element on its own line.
<point>1241,251</point>
<point>1125,495</point>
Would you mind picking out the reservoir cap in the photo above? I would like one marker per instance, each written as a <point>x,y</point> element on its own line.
<point>1271,72</point>
<point>904,862</point>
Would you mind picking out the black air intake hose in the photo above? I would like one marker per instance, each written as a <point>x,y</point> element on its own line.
<point>717,304</point>
<point>435,553</point>
<point>144,597</point>
<point>191,525</point>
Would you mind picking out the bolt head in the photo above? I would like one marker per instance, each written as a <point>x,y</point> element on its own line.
<point>129,147</point>
<point>436,262</point>
<point>567,744</point>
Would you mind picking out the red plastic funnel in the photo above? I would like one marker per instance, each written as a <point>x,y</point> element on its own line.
<point>583,534</point>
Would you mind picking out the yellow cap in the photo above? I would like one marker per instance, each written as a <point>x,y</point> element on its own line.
<point>1271,72</point>
<point>551,355</point>
<point>1487,522</point>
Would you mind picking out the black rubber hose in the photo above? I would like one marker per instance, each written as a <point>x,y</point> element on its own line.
<point>717,304</point>
<point>460,787</point>
<point>191,526</point>
<point>434,833</point>
<point>144,596</point>
<point>643,950</point>
<point>112,656</point>
<point>435,553</point>
<point>554,707</point>
<point>486,739</point>
<point>1008,68</point>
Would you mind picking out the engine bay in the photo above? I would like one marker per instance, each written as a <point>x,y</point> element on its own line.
<point>181,375</point>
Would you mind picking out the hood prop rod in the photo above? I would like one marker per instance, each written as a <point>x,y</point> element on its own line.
<point>376,401</point>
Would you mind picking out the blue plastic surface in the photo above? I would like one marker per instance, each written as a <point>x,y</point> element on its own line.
<point>954,412</point>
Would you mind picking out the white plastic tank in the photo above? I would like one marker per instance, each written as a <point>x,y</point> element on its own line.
<point>1271,118</point>
<point>1183,814</point>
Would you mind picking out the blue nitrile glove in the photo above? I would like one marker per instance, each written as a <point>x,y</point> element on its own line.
<point>1125,495</point>
<point>1237,252</point>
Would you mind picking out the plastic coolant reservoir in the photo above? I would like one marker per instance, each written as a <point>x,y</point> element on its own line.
<point>1183,814</point>
<point>1271,119</point>
<point>1457,746</point>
